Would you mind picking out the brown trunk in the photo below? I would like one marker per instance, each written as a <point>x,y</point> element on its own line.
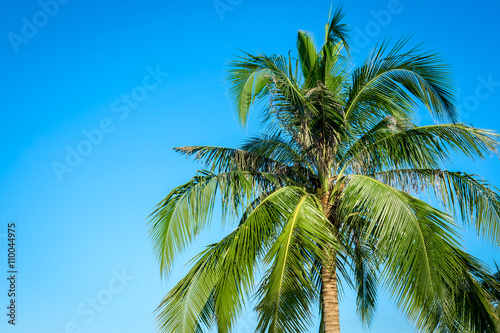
<point>329,291</point>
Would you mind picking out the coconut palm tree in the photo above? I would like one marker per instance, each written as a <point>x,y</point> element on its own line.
<point>333,191</point>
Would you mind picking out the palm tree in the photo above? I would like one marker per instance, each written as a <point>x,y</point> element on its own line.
<point>331,192</point>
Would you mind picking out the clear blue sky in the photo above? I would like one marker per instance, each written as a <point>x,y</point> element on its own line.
<point>85,262</point>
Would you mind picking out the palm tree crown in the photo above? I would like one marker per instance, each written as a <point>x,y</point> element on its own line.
<point>330,192</point>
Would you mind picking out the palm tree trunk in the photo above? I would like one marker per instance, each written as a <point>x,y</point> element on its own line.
<point>329,291</point>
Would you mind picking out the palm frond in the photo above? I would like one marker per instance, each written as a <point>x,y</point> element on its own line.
<point>186,211</point>
<point>412,76</point>
<point>249,79</point>
<point>307,56</point>
<point>287,289</point>
<point>277,148</point>
<point>190,304</point>
<point>336,31</point>
<point>274,77</point>
<point>469,197</point>
<point>215,289</point>
<point>418,243</point>
<point>365,268</point>
<point>270,158</point>
<point>419,147</point>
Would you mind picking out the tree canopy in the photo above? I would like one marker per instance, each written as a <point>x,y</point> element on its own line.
<point>333,191</point>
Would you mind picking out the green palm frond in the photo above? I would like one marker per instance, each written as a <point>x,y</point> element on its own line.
<point>366,271</point>
<point>287,289</point>
<point>419,147</point>
<point>276,78</point>
<point>473,303</point>
<point>418,243</point>
<point>249,80</point>
<point>336,31</point>
<point>331,69</point>
<point>222,277</point>
<point>469,197</point>
<point>190,303</point>
<point>185,212</point>
<point>276,147</point>
<point>307,55</point>
<point>252,240</point>
<point>414,76</point>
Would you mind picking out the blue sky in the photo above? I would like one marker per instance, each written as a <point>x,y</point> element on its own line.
<point>136,78</point>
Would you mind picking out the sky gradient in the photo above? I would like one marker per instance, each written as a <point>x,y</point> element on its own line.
<point>96,95</point>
